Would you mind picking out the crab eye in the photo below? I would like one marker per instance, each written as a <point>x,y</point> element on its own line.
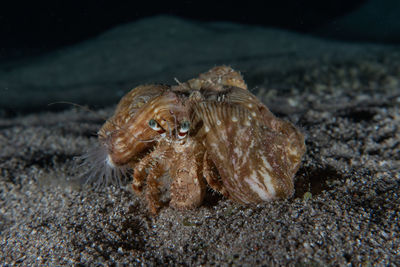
<point>185,127</point>
<point>154,125</point>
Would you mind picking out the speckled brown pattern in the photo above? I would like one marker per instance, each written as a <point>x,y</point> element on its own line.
<point>212,120</point>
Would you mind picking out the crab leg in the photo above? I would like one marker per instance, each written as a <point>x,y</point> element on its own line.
<point>150,169</point>
<point>188,186</point>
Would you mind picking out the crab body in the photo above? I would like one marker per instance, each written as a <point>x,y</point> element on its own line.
<point>208,131</point>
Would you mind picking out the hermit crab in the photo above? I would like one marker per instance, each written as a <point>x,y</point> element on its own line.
<point>208,131</point>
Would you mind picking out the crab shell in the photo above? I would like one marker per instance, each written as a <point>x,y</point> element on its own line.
<point>215,79</point>
<point>127,134</point>
<point>255,153</point>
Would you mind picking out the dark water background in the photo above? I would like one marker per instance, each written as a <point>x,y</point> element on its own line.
<point>34,32</point>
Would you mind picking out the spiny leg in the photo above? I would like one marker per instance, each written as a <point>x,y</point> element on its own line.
<point>188,186</point>
<point>187,190</point>
<point>152,188</point>
<point>150,169</point>
<point>139,173</point>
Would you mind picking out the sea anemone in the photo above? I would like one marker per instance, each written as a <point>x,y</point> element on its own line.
<point>100,169</point>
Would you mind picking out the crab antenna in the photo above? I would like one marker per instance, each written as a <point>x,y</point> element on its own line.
<point>87,109</point>
<point>177,81</point>
<point>176,134</point>
<point>76,105</point>
<point>148,141</point>
<point>169,128</point>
